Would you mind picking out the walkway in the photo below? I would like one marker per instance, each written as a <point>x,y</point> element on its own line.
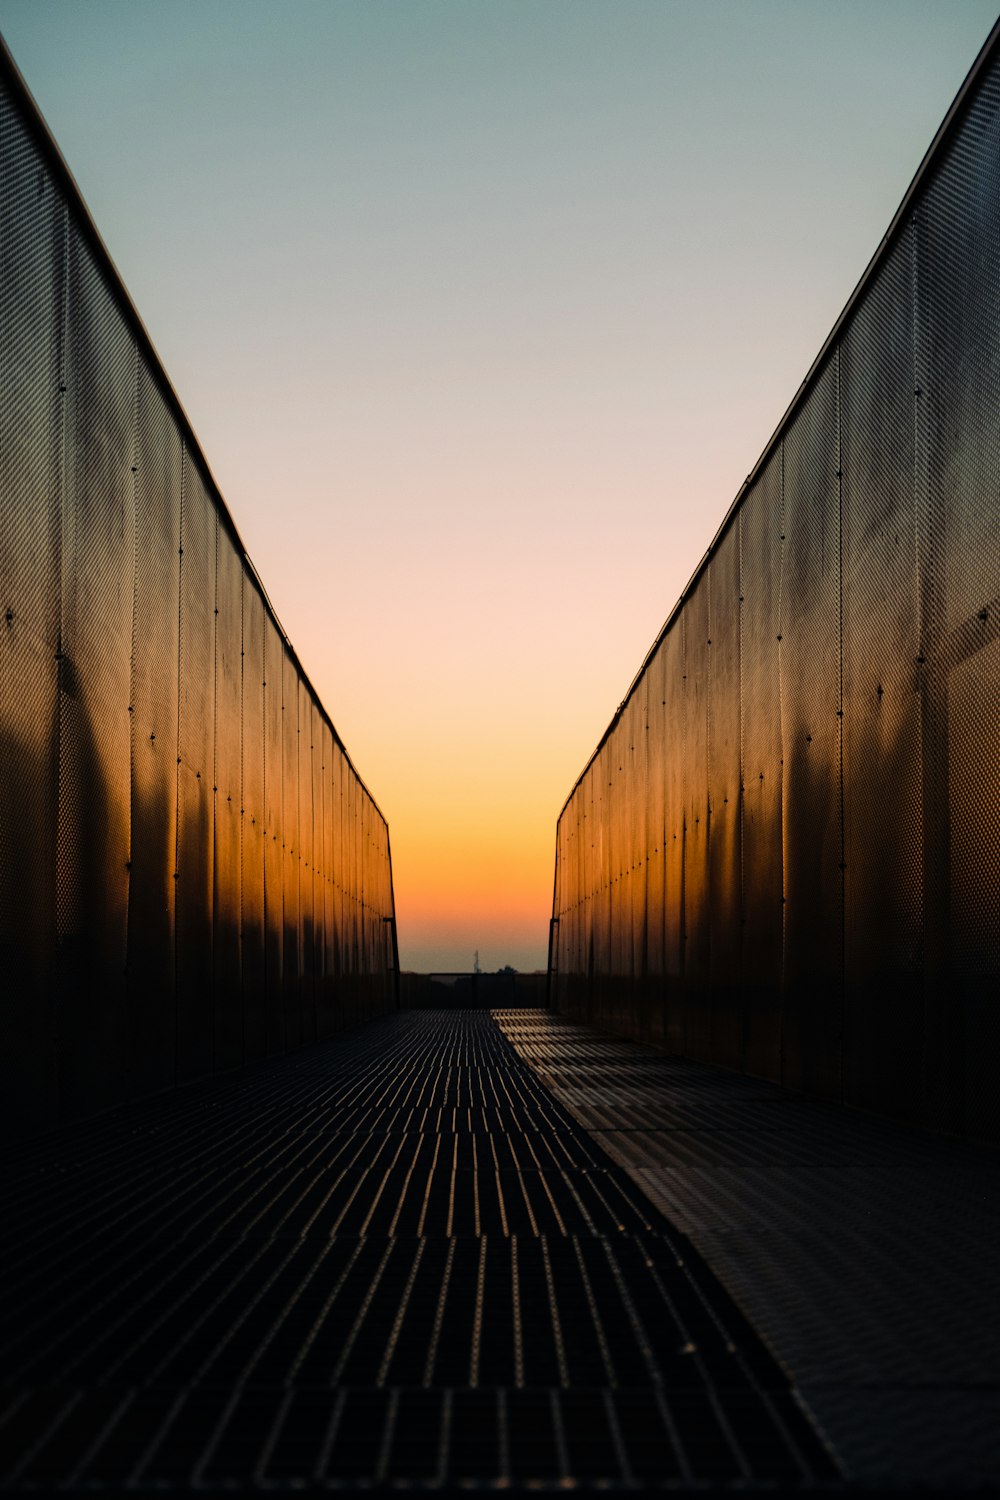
<point>393,1258</point>
<point>863,1252</point>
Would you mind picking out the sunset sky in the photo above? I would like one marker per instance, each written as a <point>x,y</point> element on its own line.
<point>482,310</point>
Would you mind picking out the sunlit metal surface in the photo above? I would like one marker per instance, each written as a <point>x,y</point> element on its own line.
<point>784,856</point>
<point>191,872</point>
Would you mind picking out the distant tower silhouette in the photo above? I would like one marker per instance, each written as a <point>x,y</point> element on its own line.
<point>475,963</point>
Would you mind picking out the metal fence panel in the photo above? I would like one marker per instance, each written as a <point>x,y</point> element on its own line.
<point>227,999</point>
<point>353,933</point>
<point>603,956</point>
<point>675,783</point>
<point>153,699</point>
<point>809,663</point>
<point>316,863</point>
<point>883,837</point>
<point>253,971</point>
<point>307,988</point>
<point>195,765</point>
<point>761,530</point>
<point>274,854</point>
<point>32,293</point>
<point>697,667</point>
<point>656,712</point>
<point>291,947</point>
<point>724,896</point>
<point>337,869</point>
<point>98,572</point>
<point>328,1000</point>
<point>640,854</point>
<point>958,317</point>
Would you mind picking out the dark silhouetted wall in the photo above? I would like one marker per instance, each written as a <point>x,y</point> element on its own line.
<point>784,857</point>
<point>192,874</point>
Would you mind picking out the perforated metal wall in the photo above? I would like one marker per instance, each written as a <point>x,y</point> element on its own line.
<point>783,857</point>
<point>191,872</point>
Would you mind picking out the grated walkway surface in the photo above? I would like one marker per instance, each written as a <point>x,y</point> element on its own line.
<point>863,1252</point>
<point>391,1261</point>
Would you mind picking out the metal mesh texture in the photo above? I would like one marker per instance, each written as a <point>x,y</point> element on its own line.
<point>826,912</point>
<point>147,934</point>
<point>396,1260</point>
<point>32,351</point>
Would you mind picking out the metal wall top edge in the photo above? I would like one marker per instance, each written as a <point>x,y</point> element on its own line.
<point>35,120</point>
<point>924,170</point>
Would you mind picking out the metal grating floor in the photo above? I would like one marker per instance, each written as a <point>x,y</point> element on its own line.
<point>389,1261</point>
<point>864,1252</point>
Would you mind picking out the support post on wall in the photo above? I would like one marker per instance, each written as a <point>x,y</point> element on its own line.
<point>553,950</point>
